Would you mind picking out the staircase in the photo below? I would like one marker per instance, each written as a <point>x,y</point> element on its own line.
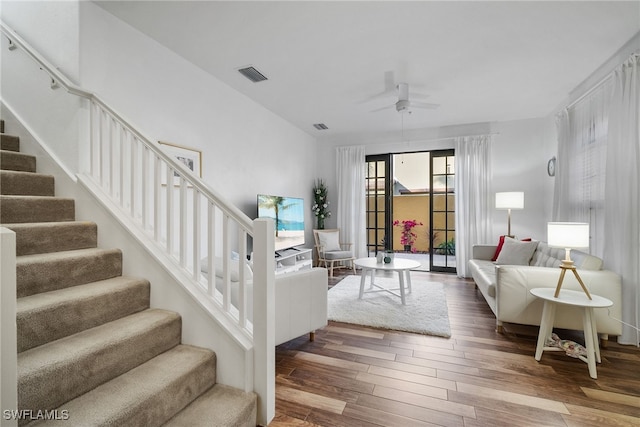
<point>90,348</point>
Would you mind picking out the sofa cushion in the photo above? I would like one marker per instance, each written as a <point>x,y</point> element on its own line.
<point>338,255</point>
<point>515,252</point>
<point>484,274</point>
<point>546,256</point>
<point>585,261</point>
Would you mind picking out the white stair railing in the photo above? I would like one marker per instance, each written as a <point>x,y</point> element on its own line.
<point>173,207</point>
<point>183,218</point>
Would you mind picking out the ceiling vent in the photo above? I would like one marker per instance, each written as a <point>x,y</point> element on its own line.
<point>252,74</point>
<point>320,126</point>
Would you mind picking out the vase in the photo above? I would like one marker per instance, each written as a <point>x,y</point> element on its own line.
<point>320,223</point>
<point>407,248</point>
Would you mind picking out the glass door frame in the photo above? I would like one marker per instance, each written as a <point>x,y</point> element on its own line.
<point>387,227</point>
<point>447,226</point>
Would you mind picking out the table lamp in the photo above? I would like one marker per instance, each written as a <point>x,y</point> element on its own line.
<point>510,200</point>
<point>568,235</point>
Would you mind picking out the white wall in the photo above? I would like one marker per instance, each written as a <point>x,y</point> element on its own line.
<point>520,152</point>
<point>246,148</point>
<point>519,158</point>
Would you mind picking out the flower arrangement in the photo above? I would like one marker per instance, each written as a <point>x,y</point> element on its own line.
<point>408,237</point>
<point>320,206</point>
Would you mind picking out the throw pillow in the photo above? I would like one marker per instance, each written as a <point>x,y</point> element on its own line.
<point>498,249</point>
<point>329,240</point>
<point>515,252</point>
<point>501,243</point>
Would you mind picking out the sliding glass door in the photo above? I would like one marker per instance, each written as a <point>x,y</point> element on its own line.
<point>418,189</point>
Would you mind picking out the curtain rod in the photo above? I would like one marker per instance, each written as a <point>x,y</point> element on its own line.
<point>433,139</point>
<point>601,82</point>
<point>590,91</point>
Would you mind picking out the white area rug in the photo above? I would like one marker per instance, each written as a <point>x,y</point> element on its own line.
<point>425,312</point>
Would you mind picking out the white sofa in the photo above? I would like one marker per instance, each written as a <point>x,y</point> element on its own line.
<point>506,287</point>
<point>301,303</point>
<point>301,299</point>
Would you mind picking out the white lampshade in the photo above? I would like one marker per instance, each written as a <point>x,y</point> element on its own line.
<point>510,200</point>
<point>568,234</point>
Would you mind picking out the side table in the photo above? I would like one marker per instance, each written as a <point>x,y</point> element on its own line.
<point>575,299</point>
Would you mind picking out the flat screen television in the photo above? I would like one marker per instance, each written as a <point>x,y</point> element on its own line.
<point>288,216</point>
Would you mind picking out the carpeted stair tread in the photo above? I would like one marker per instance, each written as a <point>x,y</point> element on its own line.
<point>221,406</point>
<point>21,209</point>
<point>57,270</point>
<point>26,184</point>
<point>147,395</point>
<point>9,142</point>
<point>49,316</point>
<point>43,237</point>
<point>14,161</point>
<point>62,370</point>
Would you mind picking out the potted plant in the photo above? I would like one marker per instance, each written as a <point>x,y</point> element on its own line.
<point>408,237</point>
<point>320,206</point>
<point>447,248</point>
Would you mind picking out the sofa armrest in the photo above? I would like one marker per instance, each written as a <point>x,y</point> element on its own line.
<point>515,304</point>
<point>484,252</point>
<point>301,303</point>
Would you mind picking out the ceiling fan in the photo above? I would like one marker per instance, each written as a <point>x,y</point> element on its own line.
<point>404,105</point>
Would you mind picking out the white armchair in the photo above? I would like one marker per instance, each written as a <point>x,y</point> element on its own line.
<point>331,251</point>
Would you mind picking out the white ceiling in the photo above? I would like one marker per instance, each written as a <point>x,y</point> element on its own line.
<point>326,61</point>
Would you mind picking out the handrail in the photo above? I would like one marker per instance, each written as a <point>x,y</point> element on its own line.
<point>56,76</point>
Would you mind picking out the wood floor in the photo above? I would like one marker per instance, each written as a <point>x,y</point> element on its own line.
<point>356,376</point>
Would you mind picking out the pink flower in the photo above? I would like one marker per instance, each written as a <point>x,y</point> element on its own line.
<point>408,237</point>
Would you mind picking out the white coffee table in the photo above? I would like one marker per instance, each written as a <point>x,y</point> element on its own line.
<point>575,299</point>
<point>402,266</point>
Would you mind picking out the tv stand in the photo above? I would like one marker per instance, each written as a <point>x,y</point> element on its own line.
<point>293,259</point>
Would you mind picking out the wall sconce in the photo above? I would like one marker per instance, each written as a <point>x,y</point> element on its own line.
<point>568,235</point>
<point>510,200</point>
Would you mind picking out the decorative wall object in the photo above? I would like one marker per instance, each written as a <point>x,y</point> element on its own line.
<point>190,157</point>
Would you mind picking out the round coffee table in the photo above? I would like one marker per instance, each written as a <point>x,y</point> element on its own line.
<point>402,266</point>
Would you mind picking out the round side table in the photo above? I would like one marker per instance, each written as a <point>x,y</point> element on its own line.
<point>575,299</point>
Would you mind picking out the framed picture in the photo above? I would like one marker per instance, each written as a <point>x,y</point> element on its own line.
<point>191,158</point>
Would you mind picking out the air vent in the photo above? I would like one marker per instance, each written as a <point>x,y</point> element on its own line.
<point>320,126</point>
<point>252,74</point>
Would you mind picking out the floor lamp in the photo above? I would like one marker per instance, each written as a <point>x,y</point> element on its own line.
<point>510,200</point>
<point>568,235</point>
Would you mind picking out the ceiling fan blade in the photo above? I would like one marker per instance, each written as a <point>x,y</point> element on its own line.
<point>416,95</point>
<point>424,105</point>
<point>388,107</point>
<point>389,91</point>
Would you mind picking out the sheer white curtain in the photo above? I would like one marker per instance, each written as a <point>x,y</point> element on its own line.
<point>351,213</point>
<point>581,160</point>
<point>622,207</point>
<point>472,196</point>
